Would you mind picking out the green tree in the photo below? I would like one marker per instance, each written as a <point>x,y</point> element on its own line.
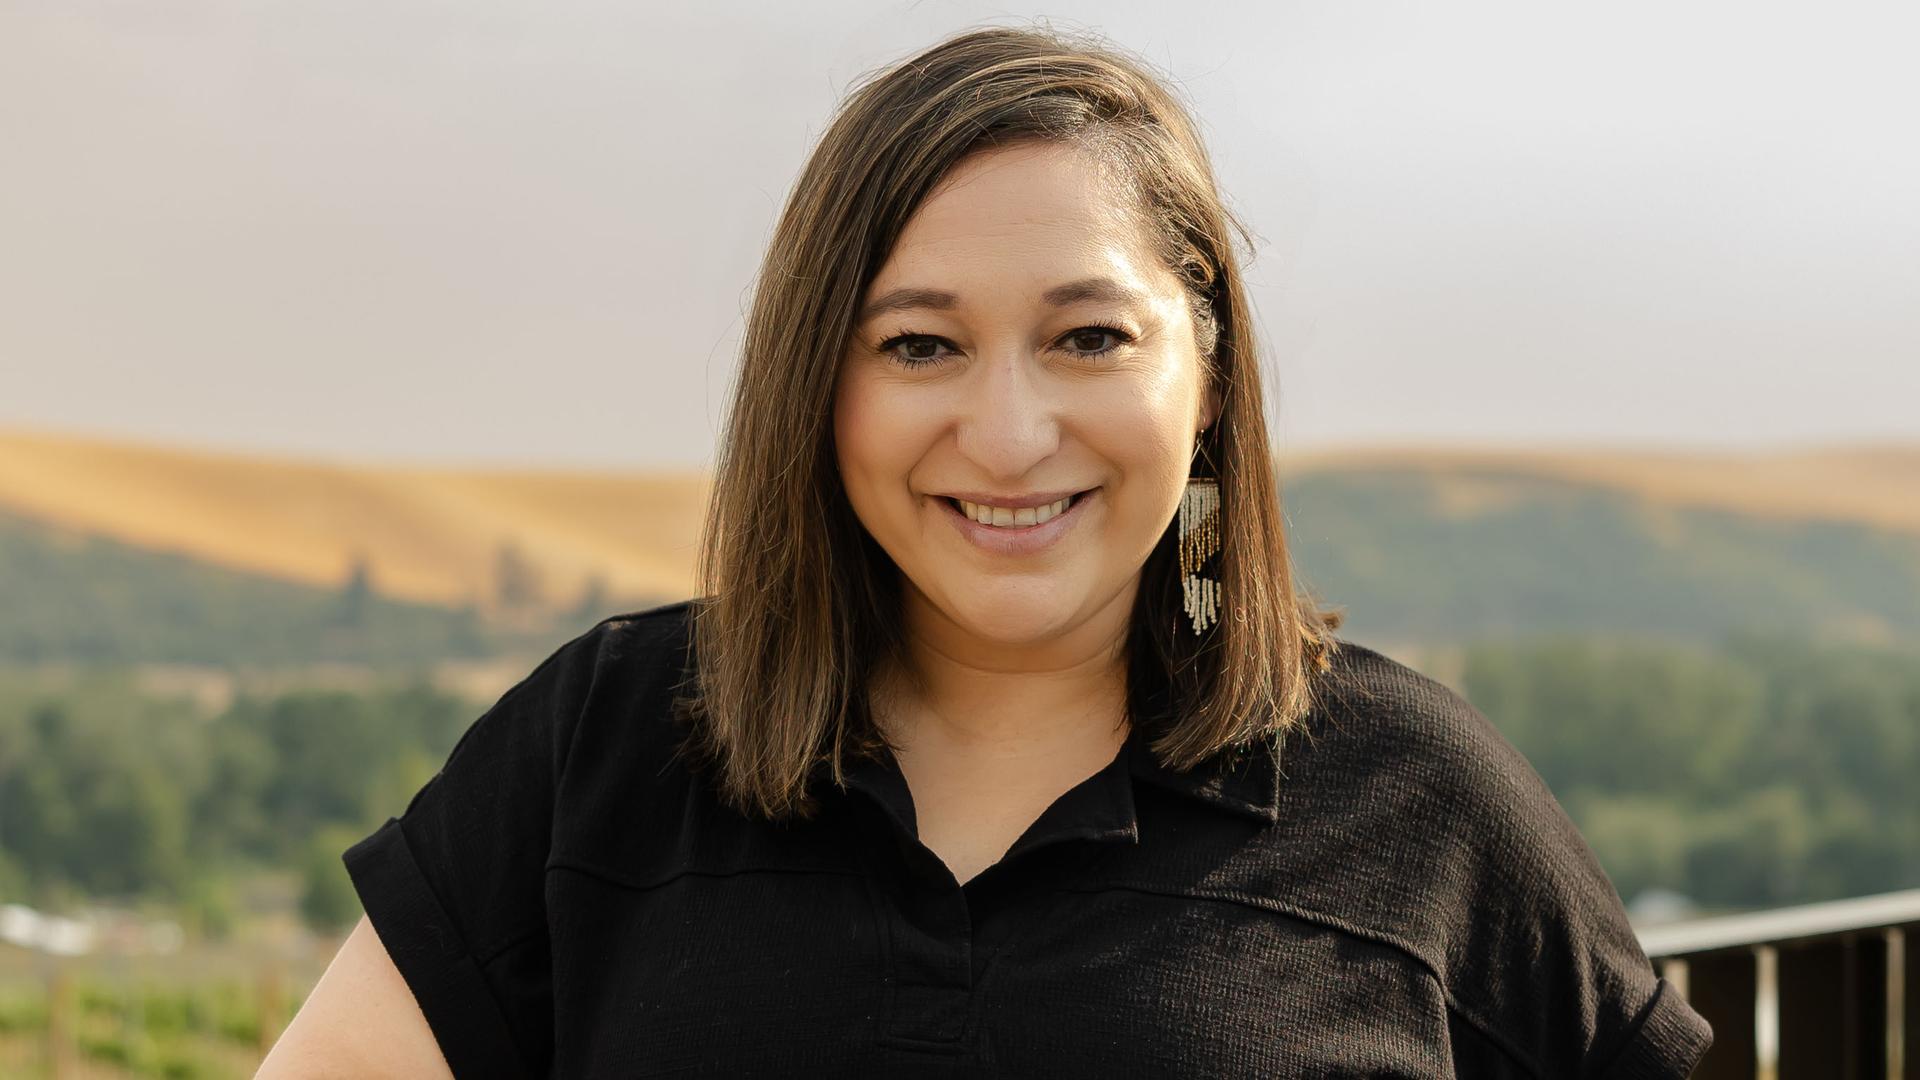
<point>327,900</point>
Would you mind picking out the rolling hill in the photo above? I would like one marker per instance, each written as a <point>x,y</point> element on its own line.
<point>104,544</point>
<point>427,535</point>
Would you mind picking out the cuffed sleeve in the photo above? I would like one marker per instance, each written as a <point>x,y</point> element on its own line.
<point>433,956</point>
<point>455,886</point>
<point>1668,1043</point>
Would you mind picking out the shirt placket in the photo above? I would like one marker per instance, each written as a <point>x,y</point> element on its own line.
<point>931,918</point>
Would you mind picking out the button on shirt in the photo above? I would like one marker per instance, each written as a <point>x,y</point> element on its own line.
<point>1392,892</point>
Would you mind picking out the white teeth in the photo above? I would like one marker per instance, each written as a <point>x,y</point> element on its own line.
<point>1004,517</point>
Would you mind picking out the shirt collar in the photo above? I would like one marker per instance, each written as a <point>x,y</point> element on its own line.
<point>1242,781</point>
<point>1102,807</point>
<point>1239,781</point>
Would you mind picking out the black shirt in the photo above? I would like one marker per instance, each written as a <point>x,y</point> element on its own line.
<point>1394,893</point>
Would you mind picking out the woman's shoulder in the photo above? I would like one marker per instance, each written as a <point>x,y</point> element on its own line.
<point>1397,757</point>
<point>1394,736</point>
<point>640,653</point>
<point>599,701</point>
<point>1367,690</point>
<point>644,641</point>
<point>1417,822</point>
<point>455,885</point>
<point>614,684</point>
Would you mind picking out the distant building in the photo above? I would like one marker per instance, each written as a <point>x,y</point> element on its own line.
<point>1654,906</point>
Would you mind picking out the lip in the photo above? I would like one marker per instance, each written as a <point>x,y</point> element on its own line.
<point>1018,541</point>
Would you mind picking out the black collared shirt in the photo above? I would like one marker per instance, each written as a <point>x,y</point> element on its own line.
<point>1394,893</point>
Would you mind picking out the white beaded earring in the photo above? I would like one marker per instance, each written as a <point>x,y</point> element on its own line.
<point>1199,540</point>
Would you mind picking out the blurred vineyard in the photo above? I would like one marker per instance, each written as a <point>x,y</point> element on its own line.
<point>88,1021</point>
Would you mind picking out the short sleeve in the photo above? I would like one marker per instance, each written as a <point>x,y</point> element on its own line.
<point>1470,863</point>
<point>1667,1041</point>
<point>454,887</point>
<point>1547,962</point>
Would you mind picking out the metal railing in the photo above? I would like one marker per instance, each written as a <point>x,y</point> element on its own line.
<point>1820,990</point>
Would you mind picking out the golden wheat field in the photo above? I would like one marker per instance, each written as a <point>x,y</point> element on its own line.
<point>427,534</point>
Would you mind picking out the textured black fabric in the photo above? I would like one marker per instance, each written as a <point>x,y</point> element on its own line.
<point>1392,893</point>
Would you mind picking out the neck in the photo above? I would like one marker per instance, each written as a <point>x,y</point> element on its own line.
<point>965,694</point>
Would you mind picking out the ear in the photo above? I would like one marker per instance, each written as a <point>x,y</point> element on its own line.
<point>1209,407</point>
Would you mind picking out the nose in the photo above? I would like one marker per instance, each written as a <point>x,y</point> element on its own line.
<point>1009,418</point>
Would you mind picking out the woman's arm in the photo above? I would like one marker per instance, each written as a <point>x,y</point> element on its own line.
<point>360,1020</point>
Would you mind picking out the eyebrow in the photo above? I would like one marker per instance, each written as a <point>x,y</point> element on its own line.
<point>1101,289</point>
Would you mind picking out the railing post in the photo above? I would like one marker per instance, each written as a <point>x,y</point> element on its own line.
<point>1895,945</point>
<point>1674,970</point>
<point>1722,987</point>
<point>1834,1006</point>
<point>1910,1005</point>
<point>1821,990</point>
<point>1766,1012</point>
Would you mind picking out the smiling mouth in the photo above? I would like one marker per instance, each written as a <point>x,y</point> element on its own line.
<point>1072,501</point>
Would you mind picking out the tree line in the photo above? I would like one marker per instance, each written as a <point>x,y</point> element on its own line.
<point>1756,772</point>
<point>1766,770</point>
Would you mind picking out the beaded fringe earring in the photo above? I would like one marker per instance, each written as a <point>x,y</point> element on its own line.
<point>1199,539</point>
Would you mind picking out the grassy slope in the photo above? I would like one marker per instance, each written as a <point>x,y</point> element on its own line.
<point>112,550</point>
<point>1413,560</point>
<point>78,599</point>
<point>430,535</point>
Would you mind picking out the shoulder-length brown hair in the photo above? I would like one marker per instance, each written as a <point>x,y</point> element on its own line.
<point>798,603</point>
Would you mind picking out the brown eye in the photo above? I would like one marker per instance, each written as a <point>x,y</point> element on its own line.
<point>1095,340</point>
<point>912,350</point>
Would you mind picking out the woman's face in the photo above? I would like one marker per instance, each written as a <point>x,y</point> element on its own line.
<point>1021,345</point>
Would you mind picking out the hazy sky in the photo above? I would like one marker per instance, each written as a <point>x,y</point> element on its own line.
<point>484,232</point>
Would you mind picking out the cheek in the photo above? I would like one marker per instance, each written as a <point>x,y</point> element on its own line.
<point>872,434</point>
<point>1147,428</point>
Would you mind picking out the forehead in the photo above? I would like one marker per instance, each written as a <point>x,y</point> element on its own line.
<point>1035,210</point>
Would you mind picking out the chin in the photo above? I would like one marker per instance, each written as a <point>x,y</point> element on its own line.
<point>1014,614</point>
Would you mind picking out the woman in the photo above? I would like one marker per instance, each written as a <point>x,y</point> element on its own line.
<point>999,741</point>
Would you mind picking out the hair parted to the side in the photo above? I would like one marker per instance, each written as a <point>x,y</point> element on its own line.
<point>797,603</point>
